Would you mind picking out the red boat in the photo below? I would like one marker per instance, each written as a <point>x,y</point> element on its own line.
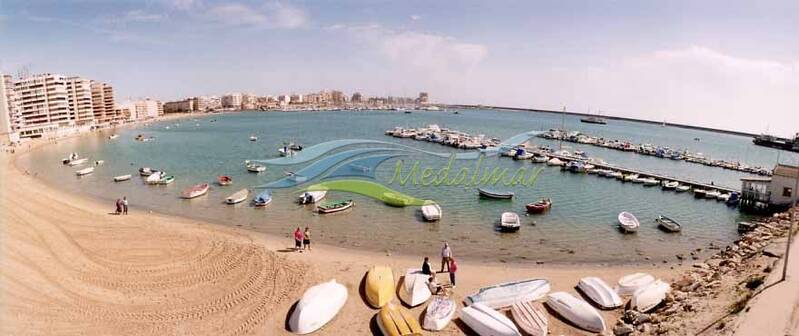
<point>224,180</point>
<point>540,206</point>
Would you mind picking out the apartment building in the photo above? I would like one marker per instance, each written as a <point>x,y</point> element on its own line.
<point>79,97</point>
<point>103,104</point>
<point>42,105</point>
<point>8,118</point>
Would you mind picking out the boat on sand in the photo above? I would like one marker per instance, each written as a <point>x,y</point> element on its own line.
<point>486,321</point>
<point>668,224</point>
<point>394,320</point>
<point>648,297</point>
<point>310,197</point>
<point>318,305</point>
<point>263,198</point>
<point>506,294</point>
<point>224,180</point>
<point>379,286</point>
<point>599,292</point>
<point>628,222</point>
<point>195,191</point>
<point>577,311</point>
<point>121,178</point>
<point>439,313</point>
<point>85,171</point>
<point>529,318</point>
<point>628,284</point>
<point>413,289</point>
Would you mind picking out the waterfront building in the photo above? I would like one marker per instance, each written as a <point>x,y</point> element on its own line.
<point>296,99</point>
<point>357,98</point>
<point>8,110</point>
<point>142,109</point>
<point>232,101</point>
<point>181,106</point>
<point>423,98</point>
<point>770,194</point>
<point>337,97</point>
<point>103,104</point>
<point>79,97</point>
<point>42,104</point>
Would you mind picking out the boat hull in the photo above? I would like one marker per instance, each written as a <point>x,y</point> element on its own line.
<point>318,306</point>
<point>506,294</point>
<point>579,312</point>
<point>379,286</point>
<point>439,313</point>
<point>486,321</point>
<point>530,319</point>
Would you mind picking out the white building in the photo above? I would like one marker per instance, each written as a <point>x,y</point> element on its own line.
<point>773,193</point>
<point>42,105</point>
<point>7,109</point>
<point>141,109</point>
<point>232,101</point>
<point>79,97</point>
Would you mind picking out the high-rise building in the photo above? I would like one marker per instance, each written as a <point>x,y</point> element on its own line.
<point>42,105</point>
<point>79,96</point>
<point>140,109</point>
<point>423,98</point>
<point>103,103</point>
<point>356,98</point>
<point>338,97</point>
<point>8,109</point>
<point>232,101</point>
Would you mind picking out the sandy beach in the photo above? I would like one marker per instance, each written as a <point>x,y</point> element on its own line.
<point>73,267</point>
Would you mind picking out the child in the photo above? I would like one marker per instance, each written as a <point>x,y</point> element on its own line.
<point>453,267</point>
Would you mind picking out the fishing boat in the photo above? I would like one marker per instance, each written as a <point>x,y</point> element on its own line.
<point>413,289</point>
<point>318,305</point>
<point>723,197</point>
<point>85,171</point>
<point>639,179</point>
<point>310,197</point>
<point>734,199</point>
<point>509,222</point>
<point>263,198</point>
<point>285,151</point>
<point>394,320</point>
<point>153,178</point>
<point>76,162</point>
<point>195,191</point>
<point>495,194</point>
<point>648,297</point>
<point>594,120</point>
<point>555,162</point>
<point>486,321</point>
<point>224,180</point>
<point>630,283</point>
<point>67,160</point>
<point>255,168</point>
<point>700,193</point>
<point>616,174</point>
<point>431,212</point>
<point>628,222</point>
<point>668,224</point>
<point>599,292</point>
<point>530,319</point>
<point>439,313</point>
<point>575,167</point>
<point>630,177</point>
<point>671,185</point>
<point>577,311</point>
<point>164,180</point>
<point>238,196</point>
<point>121,178</point>
<point>682,188</point>
<point>539,158</point>
<point>506,294</point>
<point>539,207</point>
<point>379,286</point>
<point>253,138</point>
<point>146,171</point>
<point>713,194</point>
<point>334,206</point>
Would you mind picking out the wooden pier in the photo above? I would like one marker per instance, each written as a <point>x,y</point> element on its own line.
<point>693,184</point>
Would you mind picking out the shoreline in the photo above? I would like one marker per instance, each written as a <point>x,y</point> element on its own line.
<point>84,224</point>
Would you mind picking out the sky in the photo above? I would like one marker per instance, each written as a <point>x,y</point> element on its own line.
<point>724,64</point>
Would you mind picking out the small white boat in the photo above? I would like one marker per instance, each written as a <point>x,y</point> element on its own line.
<point>713,194</point>
<point>85,171</point>
<point>310,197</point>
<point>628,222</point>
<point>615,174</point>
<point>639,180</point>
<point>671,185</point>
<point>253,138</point>
<point>555,162</point>
<point>577,311</point>
<point>439,313</point>
<point>539,159</point>
<point>99,162</point>
<point>723,197</point>
<point>649,296</point>
<point>153,178</point>
<point>431,212</point>
<point>630,177</point>
<point>650,182</point>
<point>530,319</point>
<point>255,168</point>
<point>285,151</point>
<point>509,222</point>
<point>506,294</point>
<point>318,305</point>
<point>413,289</point>
<point>668,224</point>
<point>238,196</point>
<point>682,188</point>
<point>488,322</point>
<point>195,191</point>
<point>78,161</point>
<point>113,136</point>
<point>146,171</point>
<point>628,284</point>
<point>121,178</point>
<point>599,292</point>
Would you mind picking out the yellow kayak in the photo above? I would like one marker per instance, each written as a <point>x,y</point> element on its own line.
<point>379,286</point>
<point>394,320</point>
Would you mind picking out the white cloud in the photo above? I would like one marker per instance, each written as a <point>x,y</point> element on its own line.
<point>270,15</point>
<point>137,15</point>
<point>416,17</point>
<point>285,16</point>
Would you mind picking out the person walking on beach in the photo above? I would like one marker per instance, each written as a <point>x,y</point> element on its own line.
<point>453,267</point>
<point>298,236</point>
<point>446,255</point>
<point>125,205</point>
<point>306,241</point>
<point>426,266</point>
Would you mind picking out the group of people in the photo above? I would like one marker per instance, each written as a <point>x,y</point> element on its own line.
<point>446,260</point>
<point>302,239</point>
<point>122,206</point>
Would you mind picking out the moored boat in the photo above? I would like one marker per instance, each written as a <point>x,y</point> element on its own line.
<point>310,197</point>
<point>253,138</point>
<point>507,293</point>
<point>668,224</point>
<point>413,289</point>
<point>76,162</point>
<point>577,311</point>
<point>539,207</point>
<point>85,171</point>
<point>486,321</point>
<point>238,196</point>
<point>194,191</point>
<point>146,171</point>
<point>509,222</point>
<point>224,180</point>
<point>682,188</point>
<point>713,194</point>
<point>263,198</point>
<point>318,305</point>
<point>651,182</point>
<point>628,222</point>
<point>555,162</point>
<point>394,320</point>
<point>599,292</point>
<point>255,168</point>
<point>121,178</point>
<point>153,178</point>
<point>671,185</point>
<point>431,212</point>
<point>439,313</point>
<point>164,180</point>
<point>700,193</point>
<point>530,319</point>
<point>334,206</point>
<point>379,286</point>
<point>630,283</point>
<point>495,194</point>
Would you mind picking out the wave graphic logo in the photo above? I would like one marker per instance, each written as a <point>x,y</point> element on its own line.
<point>335,166</point>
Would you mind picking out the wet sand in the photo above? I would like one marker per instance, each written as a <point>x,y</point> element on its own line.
<point>72,267</point>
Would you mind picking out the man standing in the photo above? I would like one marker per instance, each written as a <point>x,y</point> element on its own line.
<point>446,254</point>
<point>125,205</point>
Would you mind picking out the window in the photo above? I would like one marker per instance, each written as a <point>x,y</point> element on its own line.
<point>787,192</point>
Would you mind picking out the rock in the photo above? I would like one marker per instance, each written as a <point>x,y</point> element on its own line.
<point>644,328</point>
<point>623,329</point>
<point>641,319</point>
<point>775,250</point>
<point>701,266</point>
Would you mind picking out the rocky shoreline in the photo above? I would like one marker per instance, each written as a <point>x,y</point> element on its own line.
<point>718,289</point>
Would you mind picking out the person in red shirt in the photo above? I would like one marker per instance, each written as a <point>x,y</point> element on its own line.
<point>298,236</point>
<point>453,267</point>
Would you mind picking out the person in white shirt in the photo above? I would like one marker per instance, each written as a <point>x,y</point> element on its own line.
<point>446,255</point>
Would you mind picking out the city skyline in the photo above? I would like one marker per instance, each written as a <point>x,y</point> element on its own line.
<point>736,69</point>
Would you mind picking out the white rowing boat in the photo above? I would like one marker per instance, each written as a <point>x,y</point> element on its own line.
<point>310,197</point>
<point>488,322</point>
<point>628,284</point>
<point>78,161</point>
<point>431,212</point>
<point>413,289</point>
<point>121,178</point>
<point>439,313</point>
<point>628,222</point>
<point>238,196</point>
<point>318,305</point>
<point>530,319</point>
<point>599,292</point>
<point>579,312</point>
<point>648,297</point>
<point>85,171</point>
<point>509,222</point>
<point>506,294</point>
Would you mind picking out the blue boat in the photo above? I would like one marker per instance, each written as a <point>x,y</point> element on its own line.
<point>576,167</point>
<point>734,199</point>
<point>263,199</point>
